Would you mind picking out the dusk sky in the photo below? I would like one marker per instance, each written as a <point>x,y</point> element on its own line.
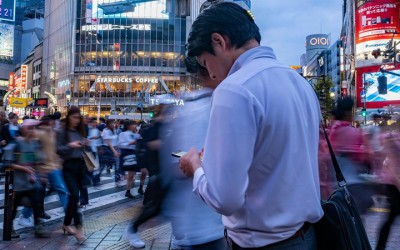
<point>284,24</point>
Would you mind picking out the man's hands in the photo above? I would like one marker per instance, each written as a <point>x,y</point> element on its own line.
<point>190,162</point>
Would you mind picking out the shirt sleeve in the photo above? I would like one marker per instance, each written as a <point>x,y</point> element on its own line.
<point>228,153</point>
<point>62,145</point>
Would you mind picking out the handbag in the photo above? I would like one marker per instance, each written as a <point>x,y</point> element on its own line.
<point>90,161</point>
<point>341,227</point>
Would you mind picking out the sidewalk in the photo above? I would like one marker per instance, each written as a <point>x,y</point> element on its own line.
<point>104,229</point>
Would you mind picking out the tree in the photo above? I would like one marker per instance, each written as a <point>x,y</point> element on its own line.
<point>326,101</point>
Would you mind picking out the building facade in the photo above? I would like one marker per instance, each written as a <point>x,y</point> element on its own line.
<point>108,58</point>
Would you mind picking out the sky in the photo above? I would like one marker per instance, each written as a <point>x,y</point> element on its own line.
<point>284,24</point>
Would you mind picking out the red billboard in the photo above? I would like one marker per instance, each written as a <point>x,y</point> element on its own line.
<point>368,86</point>
<point>377,20</point>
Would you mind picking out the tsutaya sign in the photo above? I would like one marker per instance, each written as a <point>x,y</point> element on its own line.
<point>176,102</point>
<point>127,80</point>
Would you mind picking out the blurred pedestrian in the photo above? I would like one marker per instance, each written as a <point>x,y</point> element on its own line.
<point>27,156</point>
<point>248,162</point>
<point>70,144</point>
<point>127,143</point>
<point>194,224</point>
<point>155,191</point>
<point>108,153</point>
<point>352,154</point>
<point>390,178</point>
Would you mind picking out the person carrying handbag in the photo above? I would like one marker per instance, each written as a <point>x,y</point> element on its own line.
<point>70,144</point>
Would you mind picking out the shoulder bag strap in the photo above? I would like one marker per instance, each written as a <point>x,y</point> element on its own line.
<point>339,176</point>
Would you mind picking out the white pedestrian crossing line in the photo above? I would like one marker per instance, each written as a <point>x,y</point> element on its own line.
<point>109,198</point>
<point>58,213</point>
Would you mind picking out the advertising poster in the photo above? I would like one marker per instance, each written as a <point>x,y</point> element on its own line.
<point>17,102</point>
<point>131,9</point>
<point>368,76</point>
<point>376,23</point>
<point>6,40</point>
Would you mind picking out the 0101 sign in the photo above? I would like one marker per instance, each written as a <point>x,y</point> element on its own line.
<point>7,10</point>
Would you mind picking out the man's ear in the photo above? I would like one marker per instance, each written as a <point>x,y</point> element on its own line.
<point>219,42</point>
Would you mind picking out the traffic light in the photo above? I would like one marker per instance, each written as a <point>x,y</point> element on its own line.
<point>376,53</point>
<point>151,115</point>
<point>382,85</point>
<point>364,112</point>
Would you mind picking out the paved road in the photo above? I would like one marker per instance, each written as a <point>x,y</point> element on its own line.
<point>110,212</point>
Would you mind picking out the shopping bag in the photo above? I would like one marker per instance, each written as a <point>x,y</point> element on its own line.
<point>90,161</point>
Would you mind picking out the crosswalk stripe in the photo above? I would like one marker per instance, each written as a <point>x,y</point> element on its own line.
<point>104,194</point>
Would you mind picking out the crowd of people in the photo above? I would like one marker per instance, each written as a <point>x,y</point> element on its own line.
<point>253,176</point>
<point>46,155</point>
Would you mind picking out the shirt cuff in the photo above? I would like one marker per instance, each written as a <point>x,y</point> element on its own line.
<point>198,174</point>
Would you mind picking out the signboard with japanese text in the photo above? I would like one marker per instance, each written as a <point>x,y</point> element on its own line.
<point>7,10</point>
<point>376,22</point>
<point>11,82</point>
<point>24,76</point>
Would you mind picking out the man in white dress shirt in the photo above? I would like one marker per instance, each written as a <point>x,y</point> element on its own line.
<point>259,168</point>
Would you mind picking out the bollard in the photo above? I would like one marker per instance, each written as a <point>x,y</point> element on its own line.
<point>8,203</point>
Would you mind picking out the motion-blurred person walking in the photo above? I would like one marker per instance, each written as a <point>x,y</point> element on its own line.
<point>127,143</point>
<point>352,154</point>
<point>195,226</point>
<point>390,177</point>
<point>70,144</point>
<point>108,153</point>
<point>26,157</point>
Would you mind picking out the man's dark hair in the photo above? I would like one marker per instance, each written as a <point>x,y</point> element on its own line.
<point>226,19</point>
<point>102,120</point>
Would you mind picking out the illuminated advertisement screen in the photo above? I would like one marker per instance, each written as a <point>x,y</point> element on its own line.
<point>7,10</point>
<point>376,23</point>
<point>97,9</point>
<point>6,40</point>
<point>369,76</point>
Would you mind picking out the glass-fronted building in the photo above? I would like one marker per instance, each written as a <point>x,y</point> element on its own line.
<point>106,56</point>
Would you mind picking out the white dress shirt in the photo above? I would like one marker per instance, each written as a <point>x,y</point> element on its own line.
<point>260,164</point>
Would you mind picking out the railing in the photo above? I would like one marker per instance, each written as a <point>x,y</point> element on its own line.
<point>8,200</point>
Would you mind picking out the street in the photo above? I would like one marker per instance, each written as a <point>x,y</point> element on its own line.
<point>108,213</point>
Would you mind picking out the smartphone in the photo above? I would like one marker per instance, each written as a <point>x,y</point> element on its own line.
<point>178,153</point>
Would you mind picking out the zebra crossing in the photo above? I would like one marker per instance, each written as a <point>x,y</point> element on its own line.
<point>107,193</point>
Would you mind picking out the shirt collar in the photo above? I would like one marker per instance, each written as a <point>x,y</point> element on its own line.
<point>251,54</point>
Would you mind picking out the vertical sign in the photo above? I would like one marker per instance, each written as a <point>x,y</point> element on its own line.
<point>7,10</point>
<point>11,82</point>
<point>24,75</point>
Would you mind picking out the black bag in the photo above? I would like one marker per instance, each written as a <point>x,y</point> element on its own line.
<point>341,227</point>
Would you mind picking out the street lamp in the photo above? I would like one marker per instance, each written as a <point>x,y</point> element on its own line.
<point>332,91</point>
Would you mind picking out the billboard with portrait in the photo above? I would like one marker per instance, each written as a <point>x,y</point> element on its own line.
<point>6,41</point>
<point>376,22</point>
<point>368,77</point>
